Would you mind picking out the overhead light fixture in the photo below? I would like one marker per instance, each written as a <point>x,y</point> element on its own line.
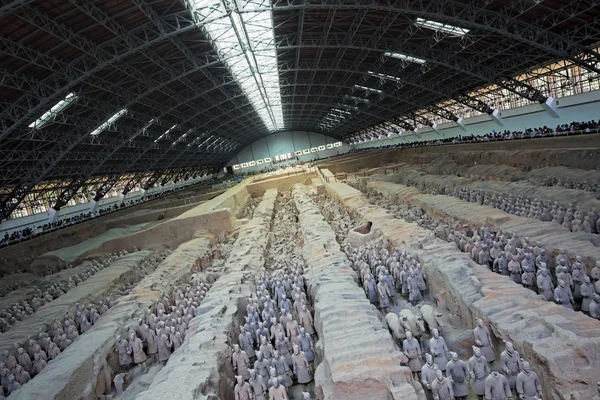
<point>439,27</point>
<point>166,133</point>
<point>384,76</point>
<point>368,89</point>
<point>243,35</point>
<point>182,137</point>
<point>341,111</point>
<point>405,57</point>
<point>108,122</point>
<point>358,99</point>
<point>53,112</point>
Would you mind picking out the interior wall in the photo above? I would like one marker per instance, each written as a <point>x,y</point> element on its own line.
<point>283,143</point>
<point>581,107</point>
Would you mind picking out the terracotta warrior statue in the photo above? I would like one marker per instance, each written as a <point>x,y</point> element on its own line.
<point>479,370</point>
<point>528,384</point>
<point>441,387</point>
<point>483,340</point>
<point>496,387</point>
<point>458,372</point>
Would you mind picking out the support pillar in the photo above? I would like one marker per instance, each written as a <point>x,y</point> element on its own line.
<point>497,116</point>
<point>52,215</point>
<point>93,206</point>
<point>551,107</point>
<point>461,123</point>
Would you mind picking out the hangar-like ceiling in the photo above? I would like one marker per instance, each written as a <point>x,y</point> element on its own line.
<point>95,93</point>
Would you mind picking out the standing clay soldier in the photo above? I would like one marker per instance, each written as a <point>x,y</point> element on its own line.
<point>563,294</point>
<point>137,348</point>
<point>301,366</point>
<point>484,341</point>
<point>595,306</point>
<point>277,391</point>
<point>281,369</point>
<point>306,345</point>
<point>306,320</point>
<point>292,329</point>
<point>258,384</point>
<point>528,384</point>
<point>496,387</point>
<point>240,362</point>
<point>587,293</point>
<point>414,293</point>
<point>383,291</point>
<point>515,269</point>
<point>124,350</point>
<point>544,283</point>
<point>441,388</point>
<point>437,346</point>
<point>21,375</point>
<point>38,363</point>
<point>53,350</point>
<point>428,374</point>
<point>479,370</point>
<point>261,365</point>
<point>24,359</point>
<point>164,347</point>
<point>242,389</point>
<point>371,289</point>
<point>510,360</point>
<point>412,350</point>
<point>149,337</point>
<point>458,372</point>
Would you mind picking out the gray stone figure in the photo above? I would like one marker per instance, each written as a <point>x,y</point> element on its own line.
<point>563,294</point>
<point>137,349</point>
<point>301,366</point>
<point>528,384</point>
<point>371,289</point>
<point>124,351</point>
<point>306,345</point>
<point>21,375</point>
<point>458,372</point>
<point>277,391</point>
<point>24,359</point>
<point>306,320</point>
<point>384,293</point>
<point>441,387</point>
<point>412,350</point>
<point>164,347</point>
<point>53,350</point>
<point>266,348</point>
<point>595,306</point>
<point>478,370</point>
<point>282,369</point>
<point>587,292</point>
<point>261,366</point>
<point>510,359</point>
<point>38,364</point>
<point>544,283</point>
<point>483,340</point>
<point>240,362</point>
<point>437,346</point>
<point>428,374</point>
<point>149,337</point>
<point>119,382</point>
<point>496,387</point>
<point>292,329</point>
<point>259,387</point>
<point>242,390</point>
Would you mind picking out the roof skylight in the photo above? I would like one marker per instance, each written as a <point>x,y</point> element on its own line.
<point>108,122</point>
<point>439,27</point>
<point>242,33</point>
<point>341,111</point>
<point>368,89</point>
<point>53,112</point>
<point>405,57</point>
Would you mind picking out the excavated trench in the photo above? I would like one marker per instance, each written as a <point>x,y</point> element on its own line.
<point>470,291</point>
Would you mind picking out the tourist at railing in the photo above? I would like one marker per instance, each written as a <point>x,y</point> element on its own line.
<point>529,133</point>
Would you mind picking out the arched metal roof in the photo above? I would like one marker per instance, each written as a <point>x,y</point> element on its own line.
<point>189,83</point>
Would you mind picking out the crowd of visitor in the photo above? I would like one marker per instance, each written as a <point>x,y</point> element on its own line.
<point>529,133</point>
<point>29,232</point>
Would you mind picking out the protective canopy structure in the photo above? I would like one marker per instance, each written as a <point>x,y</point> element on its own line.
<point>138,92</point>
